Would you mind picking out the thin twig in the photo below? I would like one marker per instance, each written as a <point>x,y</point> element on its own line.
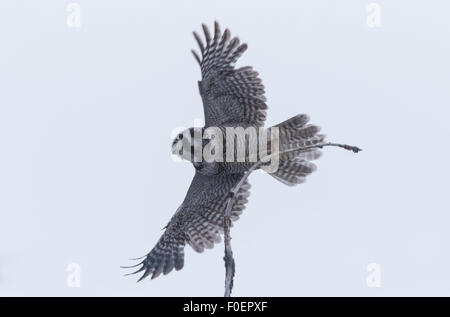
<point>228,258</point>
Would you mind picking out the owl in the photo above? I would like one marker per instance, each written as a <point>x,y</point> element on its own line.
<point>232,98</point>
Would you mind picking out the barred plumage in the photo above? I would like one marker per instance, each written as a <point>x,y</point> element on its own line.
<point>231,98</point>
<point>229,95</point>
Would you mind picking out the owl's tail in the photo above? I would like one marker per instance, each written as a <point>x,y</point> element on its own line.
<point>296,165</point>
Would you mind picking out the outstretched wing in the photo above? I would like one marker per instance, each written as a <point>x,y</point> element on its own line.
<point>229,95</point>
<point>198,221</point>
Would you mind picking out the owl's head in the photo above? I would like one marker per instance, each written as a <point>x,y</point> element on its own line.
<point>189,145</point>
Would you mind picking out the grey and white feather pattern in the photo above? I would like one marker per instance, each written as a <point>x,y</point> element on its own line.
<point>199,221</point>
<point>232,97</point>
<point>295,166</point>
<point>229,95</point>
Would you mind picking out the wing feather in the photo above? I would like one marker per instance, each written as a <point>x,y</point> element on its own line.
<point>199,221</point>
<point>229,95</point>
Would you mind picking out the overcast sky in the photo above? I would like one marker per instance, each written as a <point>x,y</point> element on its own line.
<point>87,181</point>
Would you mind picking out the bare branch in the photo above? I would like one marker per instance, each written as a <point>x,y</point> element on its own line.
<point>228,258</point>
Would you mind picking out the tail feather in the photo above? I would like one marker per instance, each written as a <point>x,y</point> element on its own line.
<point>295,166</point>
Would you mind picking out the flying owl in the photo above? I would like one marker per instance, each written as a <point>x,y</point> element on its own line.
<point>232,97</point>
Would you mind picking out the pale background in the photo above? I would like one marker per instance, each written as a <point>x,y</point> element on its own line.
<point>86,176</point>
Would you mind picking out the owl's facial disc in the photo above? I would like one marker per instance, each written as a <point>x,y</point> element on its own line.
<point>177,145</point>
